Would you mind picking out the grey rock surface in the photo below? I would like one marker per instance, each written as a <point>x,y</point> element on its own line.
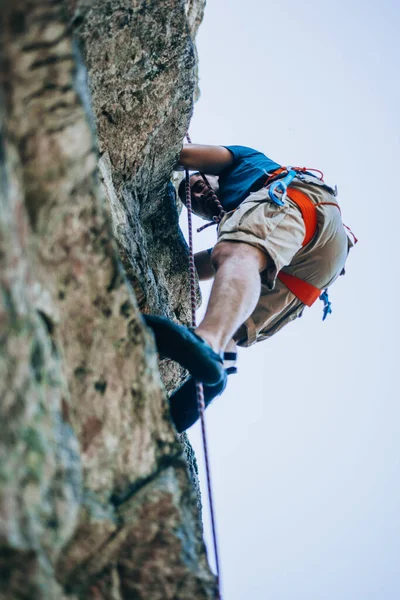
<point>95,492</point>
<point>142,77</point>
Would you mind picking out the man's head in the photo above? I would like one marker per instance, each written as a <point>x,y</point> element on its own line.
<point>203,204</point>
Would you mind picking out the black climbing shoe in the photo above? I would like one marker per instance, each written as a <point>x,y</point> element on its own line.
<point>185,347</point>
<point>183,402</point>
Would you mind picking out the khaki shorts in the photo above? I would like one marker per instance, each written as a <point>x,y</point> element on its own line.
<point>279,232</point>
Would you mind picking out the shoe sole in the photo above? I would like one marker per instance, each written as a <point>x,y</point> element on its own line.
<point>189,350</point>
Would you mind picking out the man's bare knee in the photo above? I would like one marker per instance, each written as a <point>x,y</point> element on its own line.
<point>238,252</point>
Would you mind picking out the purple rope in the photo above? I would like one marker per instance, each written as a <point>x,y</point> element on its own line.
<point>199,386</point>
<point>221,212</point>
<point>192,269</point>
<point>214,197</point>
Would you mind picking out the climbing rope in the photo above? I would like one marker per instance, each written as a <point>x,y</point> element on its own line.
<point>221,212</point>
<point>199,386</point>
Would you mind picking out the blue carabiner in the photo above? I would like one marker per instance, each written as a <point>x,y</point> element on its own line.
<point>282,186</point>
<point>327,310</point>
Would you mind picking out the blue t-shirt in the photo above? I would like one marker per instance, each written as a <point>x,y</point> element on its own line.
<point>246,174</point>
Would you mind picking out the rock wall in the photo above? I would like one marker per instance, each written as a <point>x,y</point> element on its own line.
<point>96,500</point>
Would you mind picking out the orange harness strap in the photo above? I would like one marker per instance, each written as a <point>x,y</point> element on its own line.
<point>304,291</point>
<point>307,209</point>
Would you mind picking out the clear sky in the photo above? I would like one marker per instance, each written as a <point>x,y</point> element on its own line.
<point>304,444</point>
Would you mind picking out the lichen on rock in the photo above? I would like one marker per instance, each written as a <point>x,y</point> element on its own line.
<point>95,492</point>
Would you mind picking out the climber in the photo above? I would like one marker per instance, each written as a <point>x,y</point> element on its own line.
<point>280,242</point>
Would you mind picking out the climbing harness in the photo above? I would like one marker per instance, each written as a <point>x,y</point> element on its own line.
<point>199,386</point>
<point>304,291</point>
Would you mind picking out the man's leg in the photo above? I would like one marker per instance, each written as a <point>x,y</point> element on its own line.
<point>235,291</point>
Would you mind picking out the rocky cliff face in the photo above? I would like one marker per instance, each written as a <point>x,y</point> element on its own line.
<point>96,500</point>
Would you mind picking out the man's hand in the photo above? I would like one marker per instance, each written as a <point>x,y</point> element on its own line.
<point>206,159</point>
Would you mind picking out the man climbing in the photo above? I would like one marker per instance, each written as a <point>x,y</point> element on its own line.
<point>281,242</point>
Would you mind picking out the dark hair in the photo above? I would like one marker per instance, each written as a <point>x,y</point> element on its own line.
<point>182,189</point>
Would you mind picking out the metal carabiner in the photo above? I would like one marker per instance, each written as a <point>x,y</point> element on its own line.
<point>282,186</point>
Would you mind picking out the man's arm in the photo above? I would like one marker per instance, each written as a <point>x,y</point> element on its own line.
<point>204,268</point>
<point>206,159</point>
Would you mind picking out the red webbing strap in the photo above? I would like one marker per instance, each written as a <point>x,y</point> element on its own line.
<point>308,211</point>
<point>304,291</point>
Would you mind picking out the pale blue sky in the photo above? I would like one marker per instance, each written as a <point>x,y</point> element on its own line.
<point>305,442</point>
